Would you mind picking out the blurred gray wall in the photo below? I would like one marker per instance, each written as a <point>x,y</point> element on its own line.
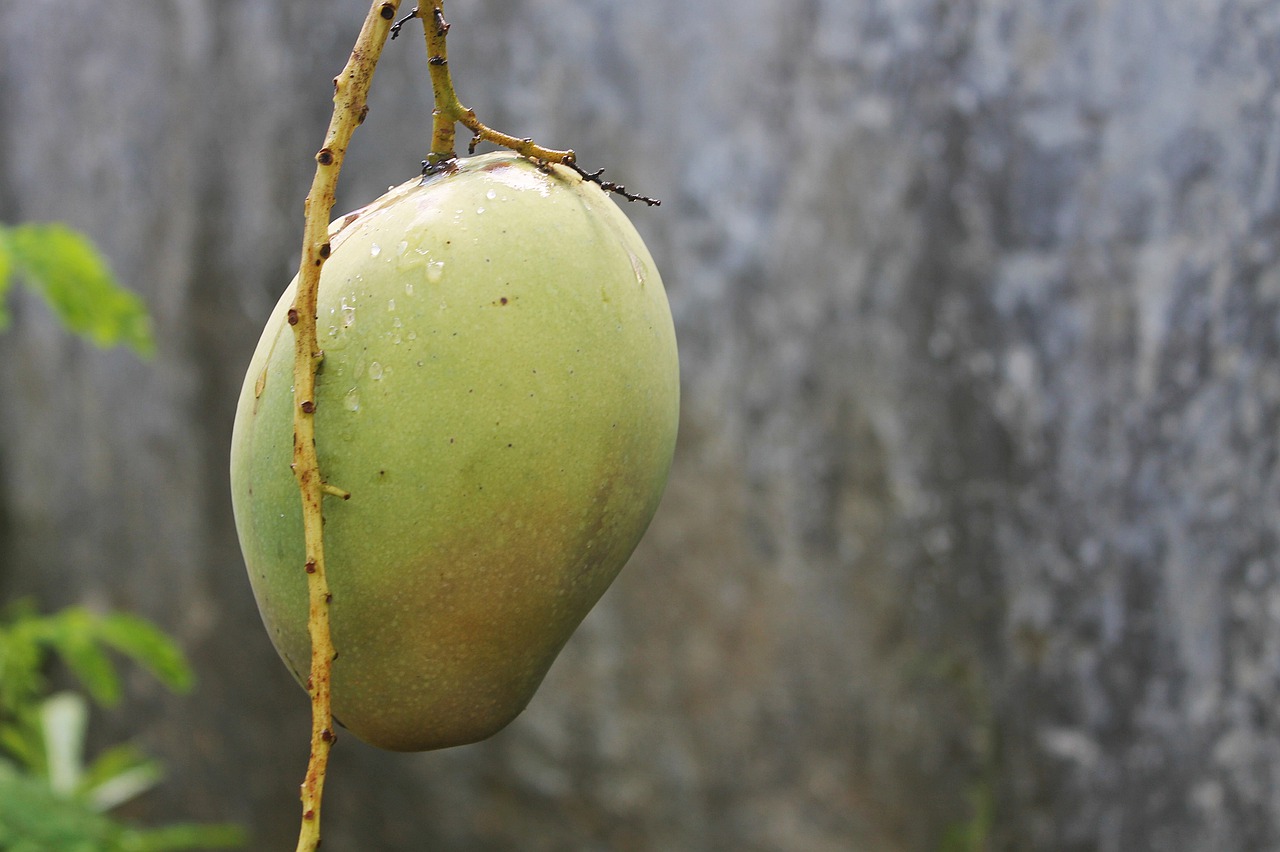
<point>971,537</point>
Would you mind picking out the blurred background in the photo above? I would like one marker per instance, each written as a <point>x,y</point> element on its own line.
<point>970,541</point>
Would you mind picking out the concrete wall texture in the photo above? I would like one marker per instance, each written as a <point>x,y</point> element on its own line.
<point>971,537</point>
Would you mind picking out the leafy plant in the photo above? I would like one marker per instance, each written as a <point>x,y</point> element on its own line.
<point>51,798</point>
<point>63,267</point>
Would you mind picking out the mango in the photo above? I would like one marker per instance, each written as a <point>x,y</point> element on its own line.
<point>499,395</point>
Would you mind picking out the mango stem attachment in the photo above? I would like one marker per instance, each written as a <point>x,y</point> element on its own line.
<point>350,93</point>
<point>449,111</point>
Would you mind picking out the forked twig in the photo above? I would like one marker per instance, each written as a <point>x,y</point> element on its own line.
<point>450,112</point>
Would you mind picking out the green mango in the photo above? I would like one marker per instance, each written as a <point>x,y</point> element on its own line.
<point>499,394</point>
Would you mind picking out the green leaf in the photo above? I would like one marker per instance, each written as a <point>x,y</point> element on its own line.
<point>77,643</point>
<point>64,718</point>
<point>64,267</point>
<point>25,640</point>
<point>34,819</point>
<point>126,786</point>
<point>49,801</point>
<point>6,276</point>
<point>181,836</point>
<point>23,744</point>
<point>20,679</point>
<point>119,774</point>
<point>147,645</point>
<point>121,760</point>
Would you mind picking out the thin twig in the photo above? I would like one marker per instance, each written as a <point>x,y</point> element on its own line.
<point>610,186</point>
<point>450,112</point>
<point>350,91</point>
<point>395,28</point>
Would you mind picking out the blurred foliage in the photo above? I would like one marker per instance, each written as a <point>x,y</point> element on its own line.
<point>63,267</point>
<point>51,798</point>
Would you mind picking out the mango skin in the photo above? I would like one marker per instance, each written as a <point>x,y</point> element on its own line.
<point>499,394</point>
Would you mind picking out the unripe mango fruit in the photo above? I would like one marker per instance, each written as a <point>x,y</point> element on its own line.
<point>499,394</point>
